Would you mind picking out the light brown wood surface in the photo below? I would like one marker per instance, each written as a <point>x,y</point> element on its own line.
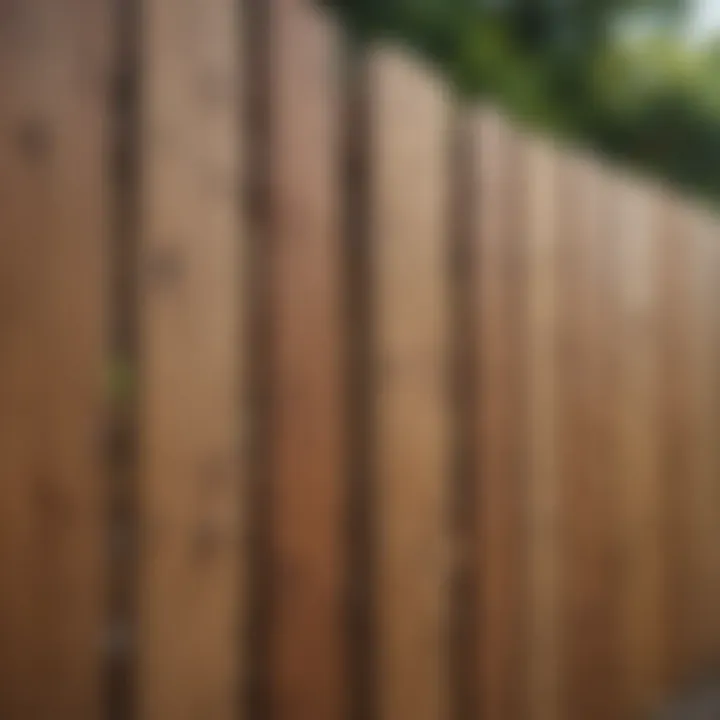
<point>191,303</point>
<point>543,492</point>
<point>54,235</point>
<point>307,422</point>
<point>678,300</point>
<point>638,472</point>
<point>587,306</point>
<point>702,414</point>
<point>438,308</point>
<point>410,119</point>
<point>500,326</point>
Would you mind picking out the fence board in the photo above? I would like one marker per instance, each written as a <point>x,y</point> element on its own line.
<point>586,326</point>
<point>608,390</point>
<point>410,117</point>
<point>190,597</point>
<point>711,323</point>
<point>638,471</point>
<point>702,484</point>
<point>307,432</point>
<point>681,424</point>
<point>54,63</point>
<point>500,330</point>
<point>543,500</point>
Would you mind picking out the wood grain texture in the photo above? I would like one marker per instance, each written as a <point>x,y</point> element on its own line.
<point>643,618</point>
<point>702,484</point>
<point>587,441</point>
<point>710,282</point>
<point>543,496</point>
<point>681,423</point>
<point>500,330</point>
<point>688,262</point>
<point>307,431</point>
<point>190,495</point>
<point>54,214</point>
<point>410,117</point>
<point>587,312</point>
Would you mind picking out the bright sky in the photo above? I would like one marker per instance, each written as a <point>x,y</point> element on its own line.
<point>706,18</point>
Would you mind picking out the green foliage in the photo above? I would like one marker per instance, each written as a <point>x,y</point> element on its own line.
<point>647,96</point>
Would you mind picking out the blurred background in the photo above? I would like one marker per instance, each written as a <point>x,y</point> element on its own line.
<point>639,79</point>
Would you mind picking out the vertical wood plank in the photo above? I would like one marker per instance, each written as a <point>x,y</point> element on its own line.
<point>586,307</point>
<point>638,473</point>
<point>678,309</point>
<point>582,508</point>
<point>499,315</point>
<point>54,215</point>
<point>544,672</point>
<point>702,484</point>
<point>410,116</point>
<point>463,229</point>
<point>711,321</point>
<point>307,443</point>
<point>190,500</point>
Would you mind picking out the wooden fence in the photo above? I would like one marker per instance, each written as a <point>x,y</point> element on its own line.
<point>411,416</point>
